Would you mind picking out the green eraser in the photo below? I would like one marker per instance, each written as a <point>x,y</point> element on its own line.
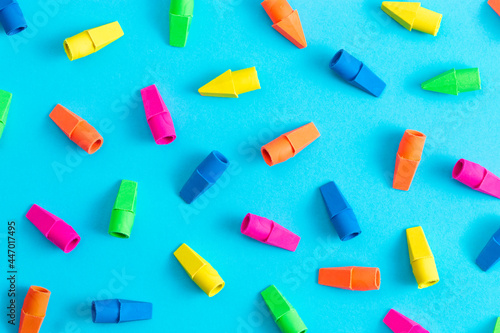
<point>285,316</point>
<point>181,15</point>
<point>454,81</point>
<point>123,213</point>
<point>497,326</point>
<point>5,98</point>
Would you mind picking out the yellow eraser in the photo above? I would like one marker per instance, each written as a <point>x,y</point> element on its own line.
<point>412,15</point>
<point>231,84</point>
<point>421,258</point>
<point>199,270</point>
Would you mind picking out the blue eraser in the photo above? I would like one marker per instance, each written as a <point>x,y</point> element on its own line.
<point>340,212</point>
<point>120,310</point>
<point>11,17</point>
<point>356,73</point>
<point>205,175</point>
<point>490,255</point>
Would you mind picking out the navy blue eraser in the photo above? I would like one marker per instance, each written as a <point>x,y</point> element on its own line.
<point>340,212</point>
<point>356,73</point>
<point>207,173</point>
<point>120,310</point>
<point>11,17</point>
<point>490,254</point>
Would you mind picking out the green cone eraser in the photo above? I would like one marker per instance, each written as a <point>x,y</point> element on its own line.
<point>285,316</point>
<point>181,14</point>
<point>123,214</point>
<point>5,98</point>
<point>454,81</point>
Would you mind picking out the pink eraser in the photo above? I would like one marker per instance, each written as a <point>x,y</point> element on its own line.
<point>401,324</point>
<point>159,119</point>
<point>56,230</point>
<point>269,232</point>
<point>477,177</point>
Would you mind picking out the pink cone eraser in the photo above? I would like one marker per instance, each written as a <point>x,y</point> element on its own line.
<point>477,177</point>
<point>269,232</point>
<point>401,324</point>
<point>56,230</point>
<point>159,119</point>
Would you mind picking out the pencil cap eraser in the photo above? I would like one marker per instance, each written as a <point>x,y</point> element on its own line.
<point>123,213</point>
<point>412,15</point>
<point>497,325</point>
<point>199,270</point>
<point>356,73</point>
<point>181,15</point>
<point>5,99</point>
<point>454,81</point>
<point>408,158</point>
<point>283,313</point>
<point>205,175</point>
<point>286,21</point>
<point>232,84</point>
<point>34,309</point>
<point>490,254</point>
<point>269,232</point>
<point>11,17</point>
<point>159,119</point>
<point>350,278</point>
<point>401,324</point>
<point>120,310</point>
<point>53,228</point>
<point>495,4</point>
<point>477,177</point>
<point>421,258</point>
<point>340,212</point>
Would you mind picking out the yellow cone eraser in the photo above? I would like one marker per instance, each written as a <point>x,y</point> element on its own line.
<point>231,84</point>
<point>421,258</point>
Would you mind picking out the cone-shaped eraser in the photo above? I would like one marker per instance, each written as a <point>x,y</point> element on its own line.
<point>76,129</point>
<point>120,310</point>
<point>454,81</point>
<point>231,84</point>
<point>123,213</point>
<point>490,254</point>
<point>284,315</point>
<point>205,175</point>
<point>407,159</point>
<point>340,212</point>
<point>356,73</point>
<point>11,17</point>
<point>401,324</point>
<point>497,325</point>
<point>495,4</point>
<point>34,309</point>
<point>199,270</point>
<point>53,228</point>
<point>159,119</point>
<point>286,21</point>
<point>181,15</point>
<point>5,98</point>
<point>289,144</point>
<point>269,232</point>
<point>92,40</point>
<point>350,278</point>
<point>477,177</point>
<point>421,258</point>
<point>412,15</point>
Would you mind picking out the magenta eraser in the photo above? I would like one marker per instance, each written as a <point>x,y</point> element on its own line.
<point>477,177</point>
<point>401,324</point>
<point>269,232</point>
<point>159,119</point>
<point>56,230</point>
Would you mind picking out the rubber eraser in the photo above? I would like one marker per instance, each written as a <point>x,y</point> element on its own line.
<point>120,310</point>
<point>401,324</point>
<point>286,21</point>
<point>269,232</point>
<point>34,309</point>
<point>421,258</point>
<point>159,119</point>
<point>11,17</point>
<point>123,213</point>
<point>412,15</point>
<point>181,15</point>
<point>5,99</point>
<point>408,158</point>
<point>283,313</point>
<point>477,177</point>
<point>495,4</point>
<point>454,81</point>
<point>232,84</point>
<point>490,254</point>
<point>350,278</point>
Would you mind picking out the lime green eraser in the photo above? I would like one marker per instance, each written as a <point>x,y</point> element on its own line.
<point>5,98</point>
<point>123,213</point>
<point>455,81</point>
<point>181,14</point>
<point>285,316</point>
<point>497,326</point>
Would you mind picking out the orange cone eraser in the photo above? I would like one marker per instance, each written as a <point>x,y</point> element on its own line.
<point>350,278</point>
<point>289,144</point>
<point>286,21</point>
<point>77,129</point>
<point>34,308</point>
<point>407,159</point>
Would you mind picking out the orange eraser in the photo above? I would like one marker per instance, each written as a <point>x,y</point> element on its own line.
<point>77,129</point>
<point>495,4</point>
<point>289,144</point>
<point>350,278</point>
<point>34,308</point>
<point>407,159</point>
<point>286,21</point>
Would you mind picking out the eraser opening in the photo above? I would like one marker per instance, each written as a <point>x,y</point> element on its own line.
<point>68,50</point>
<point>350,236</point>
<point>267,157</point>
<point>457,169</point>
<point>221,157</point>
<point>93,312</point>
<point>166,140</point>
<point>118,234</point>
<point>214,291</point>
<point>16,30</point>
<point>71,245</point>
<point>246,222</point>
<point>95,146</point>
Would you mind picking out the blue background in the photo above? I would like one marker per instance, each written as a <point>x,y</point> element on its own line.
<point>357,149</point>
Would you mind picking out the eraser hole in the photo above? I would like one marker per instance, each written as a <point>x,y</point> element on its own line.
<point>71,246</point>
<point>221,157</point>
<point>458,168</point>
<point>95,146</point>
<point>246,222</point>
<point>216,289</point>
<point>119,235</point>
<point>68,51</point>
<point>336,57</point>
<point>16,31</point>
<point>267,157</point>
<point>93,312</point>
<point>41,290</point>
<point>166,140</point>
<point>350,236</point>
